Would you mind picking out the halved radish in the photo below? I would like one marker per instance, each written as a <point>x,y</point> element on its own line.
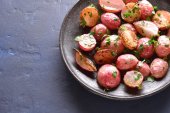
<point>129,39</point>
<point>113,6</point>
<point>89,16</point>
<point>126,26</point>
<point>105,56</point>
<point>146,28</point>
<point>131,12</point>
<point>162,19</point>
<point>84,62</point>
<point>86,42</point>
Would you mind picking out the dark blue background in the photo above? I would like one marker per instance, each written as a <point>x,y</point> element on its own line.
<point>33,77</point>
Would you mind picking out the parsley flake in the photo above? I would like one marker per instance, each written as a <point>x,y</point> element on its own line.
<point>150,79</point>
<point>114,74</point>
<point>108,41</point>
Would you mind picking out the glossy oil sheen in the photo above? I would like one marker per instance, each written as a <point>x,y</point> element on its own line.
<point>70,29</point>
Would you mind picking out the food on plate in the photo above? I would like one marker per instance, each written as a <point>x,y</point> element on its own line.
<point>86,42</point>
<point>114,43</point>
<point>125,27</point>
<point>133,79</point>
<point>126,62</point>
<point>129,39</point>
<point>104,56</point>
<point>84,62</point>
<point>163,46</point>
<point>159,68</point>
<point>143,68</point>
<point>145,48</point>
<point>108,76</point>
<point>135,42</point>
<point>99,31</point>
<point>131,12</point>
<point>147,10</point>
<point>89,16</point>
<point>113,6</point>
<point>162,19</point>
<point>110,20</point>
<point>146,28</point>
<point>128,1</point>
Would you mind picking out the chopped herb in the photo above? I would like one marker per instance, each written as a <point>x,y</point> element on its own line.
<point>150,79</point>
<point>159,14</point>
<point>147,61</point>
<point>92,5</point>
<point>114,74</point>
<point>136,7</point>
<point>152,41</point>
<point>131,59</point>
<point>148,18</point>
<point>78,38</point>
<point>116,19</point>
<point>137,77</point>
<point>141,47</point>
<point>123,28</point>
<point>139,36</point>
<point>108,32</point>
<point>155,8</point>
<point>140,87</point>
<point>92,33</point>
<point>82,22</point>
<point>90,14</point>
<point>127,14</point>
<point>108,41</point>
<point>136,53</point>
<point>100,33</point>
<point>113,53</point>
<point>97,48</point>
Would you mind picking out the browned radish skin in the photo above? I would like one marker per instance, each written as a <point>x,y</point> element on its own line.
<point>108,77</point>
<point>143,68</point>
<point>112,6</point>
<point>126,62</point>
<point>111,20</point>
<point>99,31</point>
<point>163,46</point>
<point>159,68</point>
<point>131,13</point>
<point>133,79</point>
<point>146,28</point>
<point>86,42</point>
<point>128,1</point>
<point>89,16</point>
<point>146,8</point>
<point>145,49</point>
<point>104,56</point>
<point>162,19</point>
<point>84,62</point>
<point>129,39</point>
<point>126,26</point>
<point>114,43</point>
<point>168,34</point>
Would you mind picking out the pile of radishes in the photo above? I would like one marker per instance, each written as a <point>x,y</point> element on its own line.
<point>133,51</point>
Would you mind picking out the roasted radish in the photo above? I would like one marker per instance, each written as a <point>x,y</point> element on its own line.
<point>143,68</point>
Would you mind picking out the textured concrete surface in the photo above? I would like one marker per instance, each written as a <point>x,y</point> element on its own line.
<point>33,77</point>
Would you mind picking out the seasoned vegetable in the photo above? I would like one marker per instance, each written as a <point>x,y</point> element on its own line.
<point>114,43</point>
<point>129,39</point>
<point>128,1</point>
<point>131,12</point>
<point>99,31</point>
<point>126,62</point>
<point>163,46</point>
<point>108,76</point>
<point>146,28</point>
<point>158,67</point>
<point>143,68</point>
<point>111,20</point>
<point>145,48</point>
<point>86,42</point>
<point>113,6</point>
<point>104,56</point>
<point>133,79</point>
<point>162,19</point>
<point>89,16</point>
<point>147,10</point>
<point>84,62</point>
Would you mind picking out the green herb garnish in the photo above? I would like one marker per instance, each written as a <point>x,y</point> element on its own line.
<point>137,77</point>
<point>155,8</point>
<point>90,14</point>
<point>115,19</point>
<point>83,22</point>
<point>150,79</point>
<point>152,41</point>
<point>159,14</point>
<point>113,53</point>
<point>141,47</point>
<point>114,74</point>
<point>108,41</point>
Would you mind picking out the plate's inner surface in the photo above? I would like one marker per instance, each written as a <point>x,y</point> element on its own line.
<point>71,29</point>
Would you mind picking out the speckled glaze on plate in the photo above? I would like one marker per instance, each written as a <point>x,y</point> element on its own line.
<point>70,29</point>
